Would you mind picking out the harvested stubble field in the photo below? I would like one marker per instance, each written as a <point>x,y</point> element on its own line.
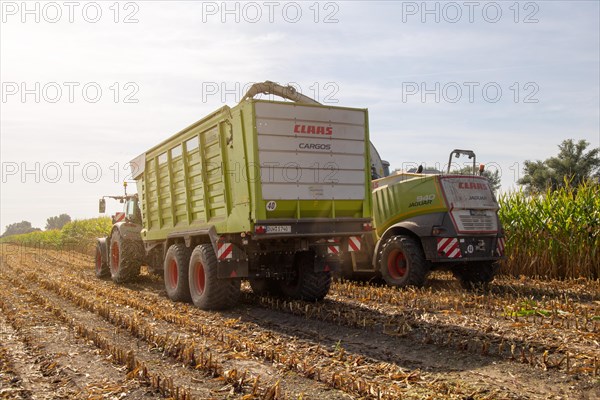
<point>66,334</point>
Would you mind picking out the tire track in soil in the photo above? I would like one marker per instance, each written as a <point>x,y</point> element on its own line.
<point>271,320</point>
<point>22,373</point>
<point>120,348</point>
<point>64,366</point>
<point>381,371</point>
<point>135,321</point>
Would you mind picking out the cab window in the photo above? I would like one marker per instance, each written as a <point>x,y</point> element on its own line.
<point>132,211</point>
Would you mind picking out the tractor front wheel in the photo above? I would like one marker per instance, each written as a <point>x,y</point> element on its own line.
<point>102,269</point>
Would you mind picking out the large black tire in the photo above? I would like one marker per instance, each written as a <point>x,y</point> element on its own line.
<point>307,284</point>
<point>125,258</point>
<point>402,262</point>
<point>264,287</point>
<point>102,268</point>
<point>476,275</point>
<point>209,292</point>
<point>175,272</point>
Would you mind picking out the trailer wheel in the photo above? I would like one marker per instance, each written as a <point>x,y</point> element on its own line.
<point>307,285</point>
<point>476,275</point>
<point>102,269</point>
<point>208,292</point>
<point>402,262</point>
<point>175,272</point>
<point>125,258</point>
<point>265,286</point>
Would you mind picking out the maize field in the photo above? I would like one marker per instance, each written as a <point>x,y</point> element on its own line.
<point>554,234</point>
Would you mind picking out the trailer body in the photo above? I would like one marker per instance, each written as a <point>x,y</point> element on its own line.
<point>294,169</point>
<point>269,191</point>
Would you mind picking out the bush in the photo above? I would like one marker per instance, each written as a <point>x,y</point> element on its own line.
<point>76,235</point>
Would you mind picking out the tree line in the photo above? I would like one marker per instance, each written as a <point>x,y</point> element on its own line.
<point>22,227</point>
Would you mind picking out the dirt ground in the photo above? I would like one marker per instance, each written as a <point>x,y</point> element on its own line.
<point>65,334</point>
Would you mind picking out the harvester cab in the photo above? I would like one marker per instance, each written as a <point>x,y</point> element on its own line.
<point>457,153</point>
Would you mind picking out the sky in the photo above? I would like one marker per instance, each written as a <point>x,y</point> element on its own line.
<point>88,86</point>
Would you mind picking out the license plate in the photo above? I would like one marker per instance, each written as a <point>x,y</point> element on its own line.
<point>279,229</point>
<point>478,213</point>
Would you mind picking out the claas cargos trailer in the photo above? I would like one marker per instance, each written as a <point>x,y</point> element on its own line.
<point>269,191</point>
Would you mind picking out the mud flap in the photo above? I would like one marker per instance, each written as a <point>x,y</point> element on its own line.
<point>232,269</point>
<point>327,263</point>
<point>232,262</point>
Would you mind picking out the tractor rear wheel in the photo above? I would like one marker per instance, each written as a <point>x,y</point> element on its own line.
<point>402,262</point>
<point>175,272</point>
<point>208,292</point>
<point>125,258</point>
<point>307,284</point>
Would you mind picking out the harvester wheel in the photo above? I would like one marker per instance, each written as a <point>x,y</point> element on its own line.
<point>125,258</point>
<point>264,287</point>
<point>476,275</point>
<point>307,285</point>
<point>402,262</point>
<point>208,292</point>
<point>176,273</point>
<point>102,269</point>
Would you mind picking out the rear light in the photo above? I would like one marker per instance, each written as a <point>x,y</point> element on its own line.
<point>367,226</point>
<point>438,230</point>
<point>260,229</point>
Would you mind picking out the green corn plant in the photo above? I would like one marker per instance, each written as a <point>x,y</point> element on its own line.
<point>555,234</point>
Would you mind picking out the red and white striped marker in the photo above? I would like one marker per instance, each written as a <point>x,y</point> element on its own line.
<point>449,247</point>
<point>120,216</point>
<point>500,243</point>
<point>333,248</point>
<point>224,251</point>
<point>354,243</point>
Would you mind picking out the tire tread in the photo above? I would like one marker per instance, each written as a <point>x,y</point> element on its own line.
<point>418,268</point>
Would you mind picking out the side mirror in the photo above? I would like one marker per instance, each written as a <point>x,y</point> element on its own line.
<point>102,206</point>
<point>386,167</point>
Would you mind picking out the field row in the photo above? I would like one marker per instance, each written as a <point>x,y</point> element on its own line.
<point>363,341</point>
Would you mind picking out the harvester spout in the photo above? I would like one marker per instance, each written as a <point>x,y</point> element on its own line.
<point>286,92</point>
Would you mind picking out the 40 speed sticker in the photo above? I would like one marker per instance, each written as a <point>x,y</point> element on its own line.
<point>271,205</point>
